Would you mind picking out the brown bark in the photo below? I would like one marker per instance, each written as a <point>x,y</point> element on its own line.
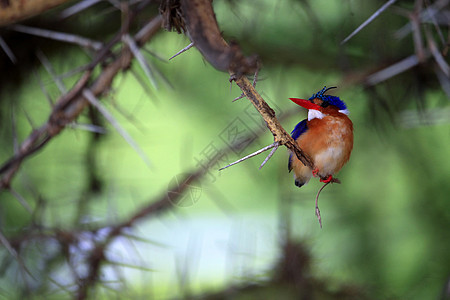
<point>12,11</point>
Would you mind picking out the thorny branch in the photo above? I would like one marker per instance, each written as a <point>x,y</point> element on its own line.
<point>97,256</point>
<point>72,104</point>
<point>166,201</point>
<point>202,28</point>
<point>206,36</point>
<point>280,135</point>
<point>204,32</point>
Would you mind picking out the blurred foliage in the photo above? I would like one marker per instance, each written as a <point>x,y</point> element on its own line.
<point>386,227</point>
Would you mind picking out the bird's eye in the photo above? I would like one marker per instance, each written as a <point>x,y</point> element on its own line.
<point>325,104</point>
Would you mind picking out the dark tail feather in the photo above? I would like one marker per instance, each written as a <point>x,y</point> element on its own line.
<point>298,183</point>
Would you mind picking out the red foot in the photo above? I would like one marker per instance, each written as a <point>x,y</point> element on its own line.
<point>326,180</point>
<point>315,172</point>
<point>329,178</point>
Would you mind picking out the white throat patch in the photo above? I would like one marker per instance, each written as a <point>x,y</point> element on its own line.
<point>315,114</point>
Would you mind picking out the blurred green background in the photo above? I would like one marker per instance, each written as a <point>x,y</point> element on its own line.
<point>386,227</point>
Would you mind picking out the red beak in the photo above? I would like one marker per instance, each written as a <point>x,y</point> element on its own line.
<point>305,103</point>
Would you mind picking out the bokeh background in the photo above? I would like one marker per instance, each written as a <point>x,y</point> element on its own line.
<point>242,232</point>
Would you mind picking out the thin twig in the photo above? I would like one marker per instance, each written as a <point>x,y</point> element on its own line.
<point>251,155</point>
<point>319,218</point>
<point>369,20</point>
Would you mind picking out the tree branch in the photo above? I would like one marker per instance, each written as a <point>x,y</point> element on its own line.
<point>202,28</point>
<point>12,11</point>
<point>72,104</point>
<point>279,133</point>
<point>95,257</point>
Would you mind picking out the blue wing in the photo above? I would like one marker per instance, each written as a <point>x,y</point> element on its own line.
<point>298,131</point>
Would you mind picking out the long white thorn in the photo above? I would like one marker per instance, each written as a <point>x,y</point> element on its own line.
<point>270,155</point>
<point>140,58</point>
<point>251,155</point>
<point>183,50</point>
<point>370,19</point>
<point>238,97</point>
<point>48,67</point>
<point>110,118</point>
<point>72,10</point>
<point>59,36</point>
<point>21,200</point>
<point>394,69</point>
<point>4,241</point>
<point>7,50</point>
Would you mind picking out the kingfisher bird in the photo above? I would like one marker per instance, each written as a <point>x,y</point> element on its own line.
<point>326,136</point>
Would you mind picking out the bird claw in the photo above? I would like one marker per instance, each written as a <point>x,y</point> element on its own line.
<point>315,172</point>
<point>329,178</point>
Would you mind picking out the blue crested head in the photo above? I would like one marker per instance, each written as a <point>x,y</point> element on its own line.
<point>328,99</point>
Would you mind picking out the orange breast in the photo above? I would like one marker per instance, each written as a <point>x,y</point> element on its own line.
<point>328,141</point>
